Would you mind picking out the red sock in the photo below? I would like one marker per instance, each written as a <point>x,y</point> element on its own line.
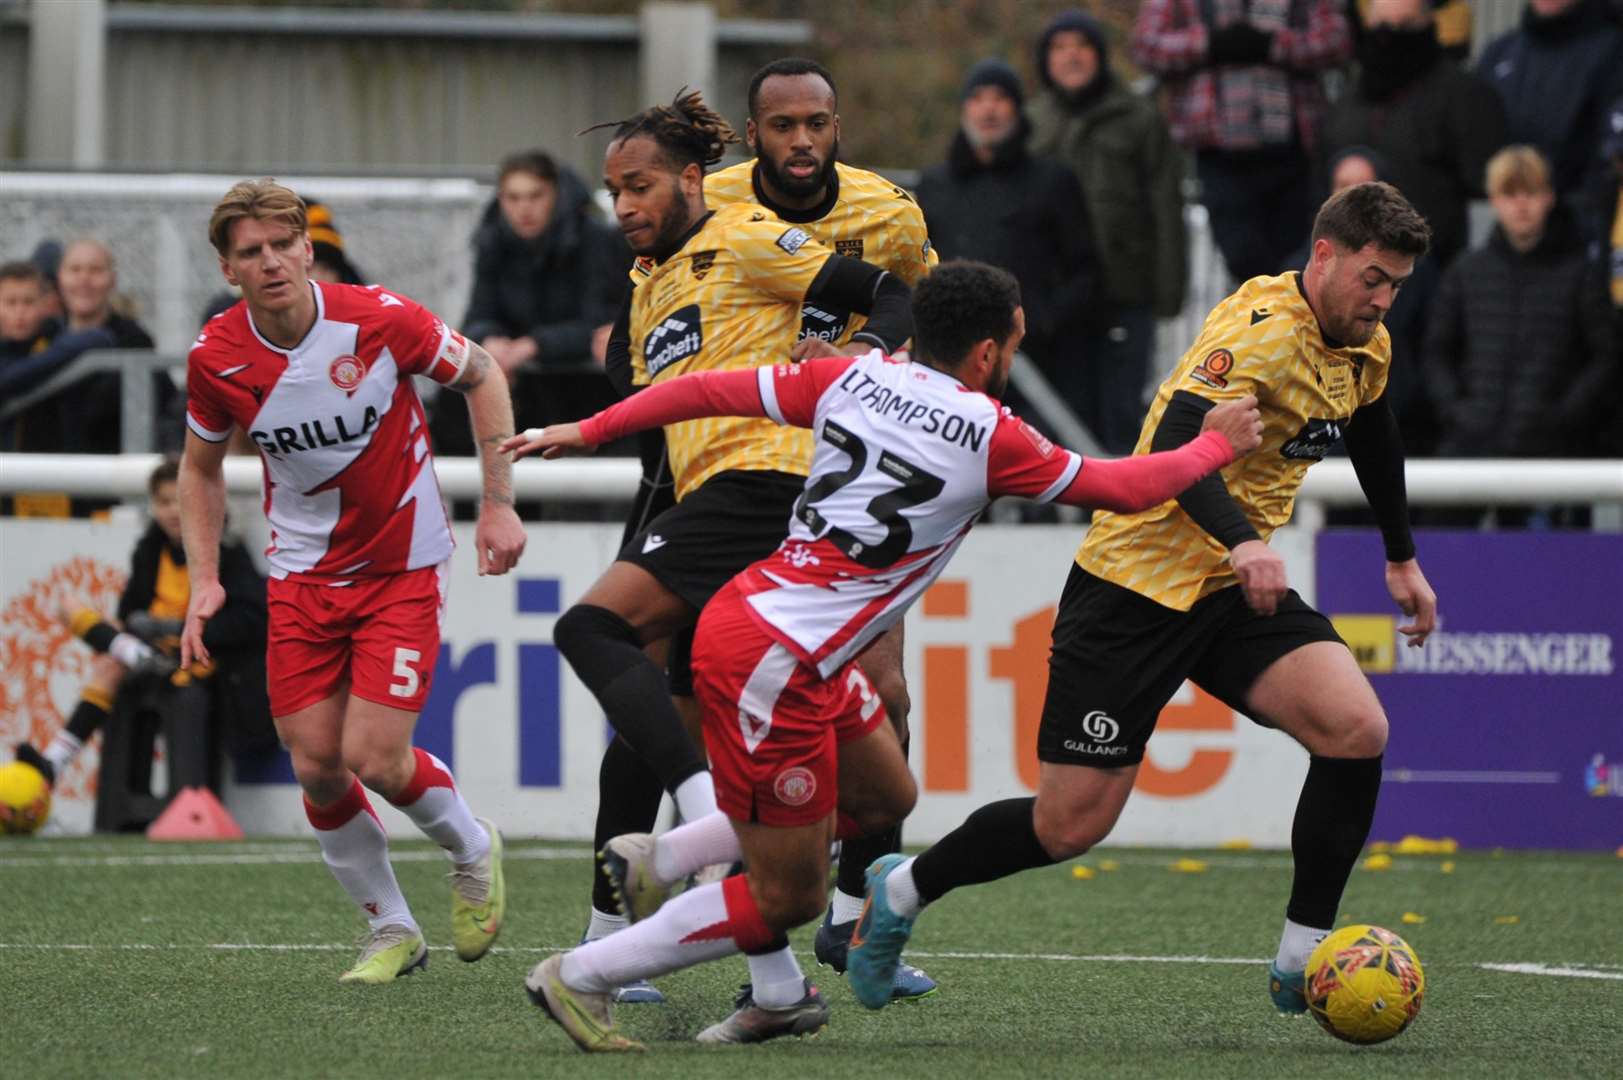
<point>749,930</point>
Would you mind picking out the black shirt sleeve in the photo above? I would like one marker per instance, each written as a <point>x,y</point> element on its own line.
<point>867,290</point>
<point>1376,450</point>
<point>1208,502</point>
<point>617,354</point>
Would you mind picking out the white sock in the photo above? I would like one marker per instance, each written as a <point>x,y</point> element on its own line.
<point>128,649</point>
<point>776,979</point>
<point>900,892</point>
<point>846,907</point>
<point>695,797</point>
<point>689,848</point>
<point>603,924</point>
<point>437,808</point>
<point>356,850</point>
<point>65,746</point>
<point>1296,944</point>
<point>687,930</point>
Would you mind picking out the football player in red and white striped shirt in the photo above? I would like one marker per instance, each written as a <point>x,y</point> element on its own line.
<point>318,375</point>
<point>908,455</point>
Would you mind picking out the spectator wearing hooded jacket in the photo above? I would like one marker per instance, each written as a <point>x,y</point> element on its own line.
<point>993,202</point>
<point>548,279</point>
<point>1245,99</point>
<point>1558,74</point>
<point>1131,174</point>
<point>1519,350</point>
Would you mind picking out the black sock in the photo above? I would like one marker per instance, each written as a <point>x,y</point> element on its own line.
<point>1333,817</point>
<point>858,853</point>
<point>628,794</point>
<point>995,841</point>
<point>604,651</point>
<point>88,717</point>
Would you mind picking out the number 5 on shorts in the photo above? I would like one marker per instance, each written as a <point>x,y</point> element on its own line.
<point>407,686</point>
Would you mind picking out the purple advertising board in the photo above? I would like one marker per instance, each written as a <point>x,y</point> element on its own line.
<point>1507,727</point>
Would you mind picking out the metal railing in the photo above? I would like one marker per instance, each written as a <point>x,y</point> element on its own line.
<point>1487,482</point>
<point>135,368</point>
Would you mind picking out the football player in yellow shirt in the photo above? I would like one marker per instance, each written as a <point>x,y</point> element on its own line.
<point>711,289</point>
<point>1191,590</point>
<point>794,131</point>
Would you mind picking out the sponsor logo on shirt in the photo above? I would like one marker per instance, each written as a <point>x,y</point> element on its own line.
<point>793,240</point>
<point>1314,441</point>
<point>823,324</point>
<point>280,442</point>
<point>1213,371</point>
<point>676,338</point>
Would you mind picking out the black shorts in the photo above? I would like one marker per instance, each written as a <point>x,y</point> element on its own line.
<point>1118,657</point>
<point>733,519</point>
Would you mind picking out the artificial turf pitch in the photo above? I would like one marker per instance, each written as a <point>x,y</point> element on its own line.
<point>123,958</point>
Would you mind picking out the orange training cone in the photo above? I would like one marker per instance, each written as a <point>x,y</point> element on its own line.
<point>195,814</point>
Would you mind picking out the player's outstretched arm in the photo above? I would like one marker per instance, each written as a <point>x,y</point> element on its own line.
<point>202,517</point>
<point>499,535</point>
<point>785,394</point>
<point>1128,485</point>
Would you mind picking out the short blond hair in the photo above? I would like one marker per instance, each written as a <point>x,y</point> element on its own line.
<point>263,200</point>
<point>1518,170</point>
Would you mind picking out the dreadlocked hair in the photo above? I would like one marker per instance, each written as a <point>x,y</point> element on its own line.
<point>687,130</point>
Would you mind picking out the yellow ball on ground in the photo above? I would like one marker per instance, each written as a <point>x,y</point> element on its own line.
<point>25,799</point>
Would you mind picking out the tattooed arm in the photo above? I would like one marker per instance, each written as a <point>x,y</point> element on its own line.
<point>499,536</point>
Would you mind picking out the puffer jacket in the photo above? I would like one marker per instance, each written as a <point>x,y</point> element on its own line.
<point>1519,349</point>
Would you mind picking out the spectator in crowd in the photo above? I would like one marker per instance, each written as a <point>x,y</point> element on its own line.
<point>327,245</point>
<point>1558,73</point>
<point>1405,321</point>
<point>1611,199</point>
<point>88,280</point>
<point>548,278</point>
<point>87,416</point>
<point>993,202</point>
<point>32,349</point>
<point>1435,125</point>
<point>1245,98</point>
<point>1612,153</point>
<point>1519,348</point>
<point>1452,19</point>
<point>136,651</point>
<point>47,255</point>
<point>1131,175</point>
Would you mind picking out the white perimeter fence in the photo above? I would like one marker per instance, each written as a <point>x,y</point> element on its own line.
<point>1485,482</point>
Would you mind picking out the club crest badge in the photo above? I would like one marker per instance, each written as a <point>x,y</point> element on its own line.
<point>346,372</point>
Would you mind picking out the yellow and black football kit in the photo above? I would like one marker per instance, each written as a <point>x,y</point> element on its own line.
<point>730,297</point>
<point>862,216</point>
<point>1150,601</point>
<point>1263,340</point>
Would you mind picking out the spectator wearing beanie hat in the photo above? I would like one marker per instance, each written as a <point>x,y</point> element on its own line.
<point>331,262</point>
<point>1131,174</point>
<point>993,202</point>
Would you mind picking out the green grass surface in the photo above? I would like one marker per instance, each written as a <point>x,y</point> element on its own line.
<point>129,959</point>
